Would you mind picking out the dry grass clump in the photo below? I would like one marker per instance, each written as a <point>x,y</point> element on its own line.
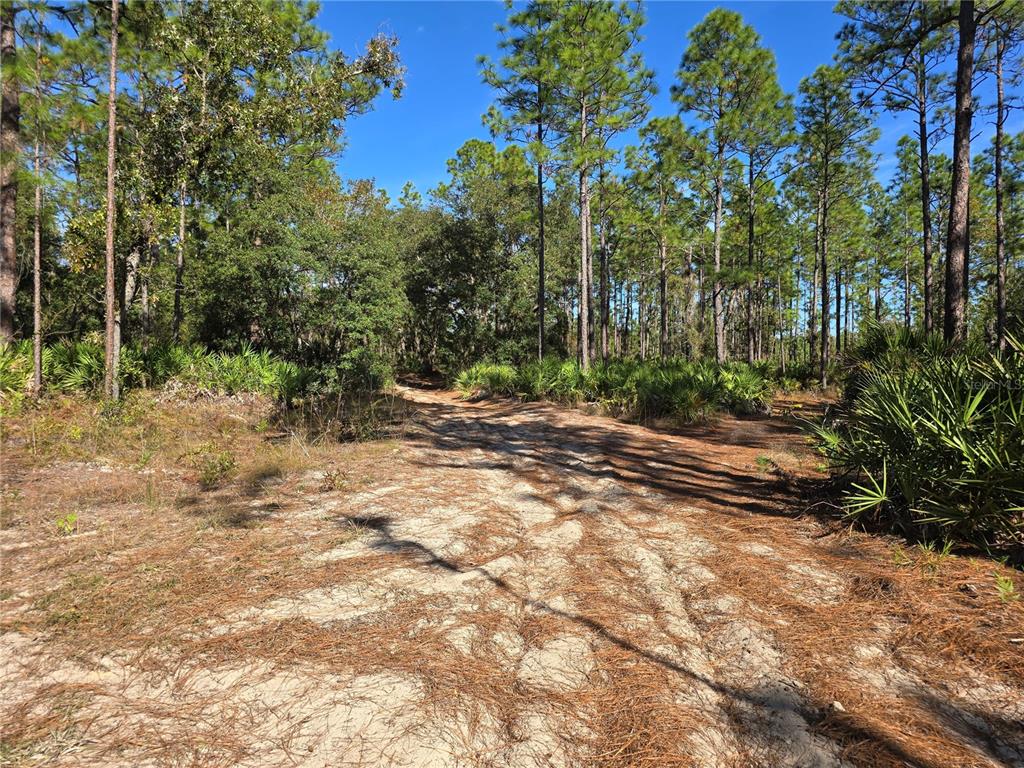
<point>171,509</point>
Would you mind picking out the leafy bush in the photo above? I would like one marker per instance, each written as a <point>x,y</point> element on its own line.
<point>643,390</point>
<point>485,379</point>
<point>932,438</point>
<point>78,367</point>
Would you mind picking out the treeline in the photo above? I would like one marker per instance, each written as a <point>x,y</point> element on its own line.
<point>200,204</point>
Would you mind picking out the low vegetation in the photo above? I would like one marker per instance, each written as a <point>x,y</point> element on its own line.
<point>71,367</point>
<point>684,390</point>
<point>931,438</point>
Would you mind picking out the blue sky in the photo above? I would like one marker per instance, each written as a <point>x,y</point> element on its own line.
<point>439,42</point>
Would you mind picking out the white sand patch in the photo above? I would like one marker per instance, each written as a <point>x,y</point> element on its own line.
<point>561,664</point>
<point>769,702</point>
<point>814,585</point>
<point>756,548</point>
<point>561,537</point>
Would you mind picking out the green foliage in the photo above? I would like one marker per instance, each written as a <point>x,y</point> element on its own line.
<point>679,389</point>
<point>933,437</point>
<point>213,465</point>
<point>1005,589</point>
<point>486,379</point>
<point>67,524</point>
<point>78,367</point>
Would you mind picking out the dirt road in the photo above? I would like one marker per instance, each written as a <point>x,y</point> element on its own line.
<point>523,585</point>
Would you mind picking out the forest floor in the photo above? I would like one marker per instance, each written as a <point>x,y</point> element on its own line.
<point>496,584</point>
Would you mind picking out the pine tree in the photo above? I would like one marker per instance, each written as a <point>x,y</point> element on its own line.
<point>969,19</point>
<point>897,51</point>
<point>1008,30</point>
<point>10,112</point>
<point>525,86</point>
<point>726,80</point>
<point>110,367</point>
<point>603,89</point>
<point>766,132</point>
<point>834,147</point>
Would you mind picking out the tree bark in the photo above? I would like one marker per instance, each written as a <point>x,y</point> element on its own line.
<point>906,290</point>
<point>1000,231</point>
<point>782,323</point>
<point>702,299</point>
<point>812,346</point>
<point>130,289</point>
<point>628,320</point>
<point>111,358</point>
<point>10,142</point>
<point>838,280</point>
<point>846,311</point>
<point>957,241</point>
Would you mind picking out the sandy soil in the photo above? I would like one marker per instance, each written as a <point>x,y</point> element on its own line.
<point>523,585</point>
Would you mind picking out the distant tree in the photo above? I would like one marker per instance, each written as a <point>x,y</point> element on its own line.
<point>766,132</point>
<point>834,146</point>
<point>524,79</point>
<point>726,80</point>
<point>603,89</point>
<point>659,172</point>
<point>896,49</point>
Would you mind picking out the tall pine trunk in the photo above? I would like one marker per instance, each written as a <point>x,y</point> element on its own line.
<point>812,348</point>
<point>662,280</point>
<point>838,280</point>
<point>906,289</point>
<point>37,242</point>
<point>605,276</point>
<point>926,205</point>
<point>825,333</point>
<point>750,258</point>
<point>716,290</point>
<point>111,357</point>
<point>1000,231</point>
<point>584,276</point>
<point>540,257</point>
<point>10,114</point>
<point>958,236</point>
<point>179,267</point>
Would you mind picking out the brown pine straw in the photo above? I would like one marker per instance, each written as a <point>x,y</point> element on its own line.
<point>156,563</point>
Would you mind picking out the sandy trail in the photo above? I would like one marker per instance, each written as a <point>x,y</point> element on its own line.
<point>533,586</point>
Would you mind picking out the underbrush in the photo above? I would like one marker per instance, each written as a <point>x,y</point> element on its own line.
<point>930,439</point>
<point>674,388</point>
<point>77,367</point>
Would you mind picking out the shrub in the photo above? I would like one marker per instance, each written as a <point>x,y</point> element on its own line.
<point>643,390</point>
<point>932,438</point>
<point>487,379</point>
<point>78,367</point>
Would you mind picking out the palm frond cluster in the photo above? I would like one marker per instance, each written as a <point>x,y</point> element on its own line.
<point>931,437</point>
<point>78,367</point>
<point>686,390</point>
